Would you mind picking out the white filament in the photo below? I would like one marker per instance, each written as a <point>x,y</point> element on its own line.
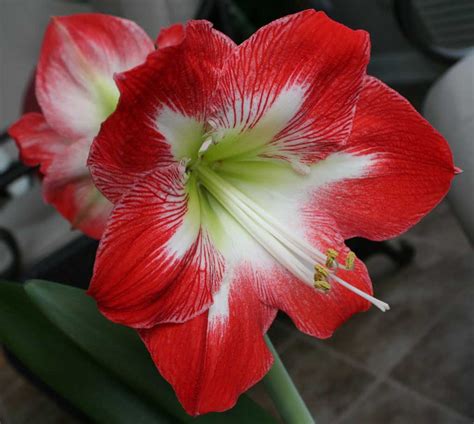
<point>296,255</point>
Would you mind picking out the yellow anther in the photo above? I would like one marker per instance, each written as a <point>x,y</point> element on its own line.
<point>350,260</point>
<point>322,286</point>
<point>331,255</point>
<point>320,271</point>
<point>321,274</point>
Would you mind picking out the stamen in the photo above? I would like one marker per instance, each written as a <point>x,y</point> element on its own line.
<point>331,256</point>
<point>321,278</point>
<point>292,253</point>
<point>321,272</point>
<point>350,261</point>
<point>322,286</point>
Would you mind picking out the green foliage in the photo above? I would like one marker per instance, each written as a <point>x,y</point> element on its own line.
<point>102,368</point>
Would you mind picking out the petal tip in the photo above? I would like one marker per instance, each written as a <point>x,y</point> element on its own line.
<point>171,36</point>
<point>57,22</point>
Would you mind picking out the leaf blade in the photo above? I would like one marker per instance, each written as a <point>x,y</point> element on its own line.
<point>64,367</point>
<point>112,345</point>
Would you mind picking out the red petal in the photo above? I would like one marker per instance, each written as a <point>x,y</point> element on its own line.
<point>153,264</point>
<point>312,311</point>
<point>215,357</point>
<point>37,141</point>
<point>306,67</point>
<point>412,172</point>
<point>171,36</point>
<point>176,80</point>
<point>68,186</point>
<point>80,54</point>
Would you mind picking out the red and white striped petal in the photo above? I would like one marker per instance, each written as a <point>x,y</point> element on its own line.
<point>80,203</point>
<point>79,56</point>
<point>314,312</point>
<point>410,169</point>
<point>69,187</point>
<point>155,263</point>
<point>161,115</point>
<point>290,90</point>
<point>37,141</point>
<point>213,358</point>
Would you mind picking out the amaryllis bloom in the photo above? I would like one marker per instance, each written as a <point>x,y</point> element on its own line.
<point>76,92</point>
<point>236,173</point>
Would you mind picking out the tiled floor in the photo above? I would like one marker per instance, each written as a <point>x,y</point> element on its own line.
<point>413,364</point>
<point>21,403</point>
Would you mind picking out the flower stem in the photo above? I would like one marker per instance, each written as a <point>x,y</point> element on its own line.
<point>283,392</point>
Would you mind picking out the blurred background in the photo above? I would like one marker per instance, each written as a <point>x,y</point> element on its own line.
<point>414,364</point>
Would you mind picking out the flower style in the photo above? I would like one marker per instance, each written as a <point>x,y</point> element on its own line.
<point>76,92</point>
<point>236,173</point>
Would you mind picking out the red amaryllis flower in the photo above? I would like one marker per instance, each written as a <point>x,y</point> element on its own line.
<point>236,173</point>
<point>76,92</point>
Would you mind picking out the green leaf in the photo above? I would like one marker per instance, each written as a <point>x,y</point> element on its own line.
<point>120,350</point>
<point>66,368</point>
